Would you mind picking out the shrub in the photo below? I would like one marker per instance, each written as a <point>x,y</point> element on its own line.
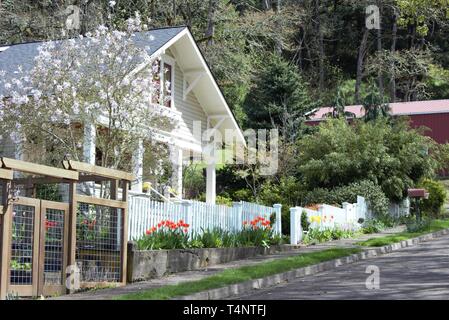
<point>304,221</point>
<point>437,197</point>
<point>373,194</point>
<point>214,238</point>
<point>418,225</point>
<point>316,235</point>
<point>373,226</point>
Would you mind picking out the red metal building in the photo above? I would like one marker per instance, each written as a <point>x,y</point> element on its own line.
<point>433,114</point>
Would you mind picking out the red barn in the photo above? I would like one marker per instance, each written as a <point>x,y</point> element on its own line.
<point>433,114</point>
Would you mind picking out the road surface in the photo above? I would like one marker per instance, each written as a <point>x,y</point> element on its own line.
<point>420,272</point>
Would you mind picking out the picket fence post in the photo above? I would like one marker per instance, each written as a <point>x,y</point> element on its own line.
<point>278,209</point>
<point>238,207</point>
<point>188,214</point>
<point>295,226</point>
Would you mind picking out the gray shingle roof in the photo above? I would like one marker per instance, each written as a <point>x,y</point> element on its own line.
<point>24,54</point>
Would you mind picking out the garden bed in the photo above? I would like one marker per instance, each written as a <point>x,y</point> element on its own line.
<point>151,264</point>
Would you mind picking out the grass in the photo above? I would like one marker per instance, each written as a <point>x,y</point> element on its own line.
<point>436,225</point>
<point>237,275</point>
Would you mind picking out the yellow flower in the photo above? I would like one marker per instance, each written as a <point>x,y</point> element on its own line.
<point>316,219</point>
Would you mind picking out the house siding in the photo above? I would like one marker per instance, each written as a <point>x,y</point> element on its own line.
<point>190,108</point>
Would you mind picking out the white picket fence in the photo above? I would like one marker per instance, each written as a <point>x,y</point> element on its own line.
<point>145,213</point>
<point>347,217</point>
<point>328,216</point>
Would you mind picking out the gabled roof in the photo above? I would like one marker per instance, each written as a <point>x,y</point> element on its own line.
<point>188,55</point>
<point>397,109</point>
<point>11,57</point>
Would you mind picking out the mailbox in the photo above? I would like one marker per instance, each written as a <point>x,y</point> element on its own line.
<point>418,193</point>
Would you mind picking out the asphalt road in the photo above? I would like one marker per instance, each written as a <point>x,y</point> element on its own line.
<point>420,272</point>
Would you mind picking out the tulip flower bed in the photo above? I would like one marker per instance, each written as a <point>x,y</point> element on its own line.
<point>166,235</point>
<point>169,248</point>
<point>175,235</point>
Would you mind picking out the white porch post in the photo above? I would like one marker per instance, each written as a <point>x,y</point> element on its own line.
<point>176,160</point>
<point>137,162</point>
<point>90,135</point>
<point>89,143</point>
<point>211,181</point>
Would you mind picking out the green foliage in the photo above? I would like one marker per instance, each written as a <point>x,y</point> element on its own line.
<point>316,235</point>
<point>422,13</point>
<point>48,192</point>
<point>373,226</point>
<point>224,200</point>
<point>372,193</point>
<point>421,225</point>
<point>374,104</point>
<point>279,97</point>
<point>435,225</point>
<point>305,224</point>
<point>391,155</point>
<point>437,197</point>
<point>437,82</point>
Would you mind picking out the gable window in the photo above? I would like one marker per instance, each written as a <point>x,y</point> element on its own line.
<point>163,77</point>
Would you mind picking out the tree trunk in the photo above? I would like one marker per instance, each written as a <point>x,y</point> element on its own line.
<point>379,50</point>
<point>320,45</point>
<point>360,60</point>
<point>266,4</point>
<point>393,50</point>
<point>209,34</point>
<point>278,43</point>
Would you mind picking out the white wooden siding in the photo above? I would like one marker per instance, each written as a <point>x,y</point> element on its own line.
<point>191,109</point>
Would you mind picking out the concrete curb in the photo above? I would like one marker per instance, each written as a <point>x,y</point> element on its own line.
<point>270,281</point>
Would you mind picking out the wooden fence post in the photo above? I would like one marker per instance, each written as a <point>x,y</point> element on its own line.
<point>278,209</point>
<point>5,232</point>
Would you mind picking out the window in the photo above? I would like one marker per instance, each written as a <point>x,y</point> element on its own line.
<point>163,82</point>
<point>168,85</point>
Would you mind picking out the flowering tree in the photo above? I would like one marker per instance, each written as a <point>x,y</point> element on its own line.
<point>103,80</point>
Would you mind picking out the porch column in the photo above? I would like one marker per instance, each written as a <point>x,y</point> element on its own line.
<point>176,160</point>
<point>211,183</point>
<point>89,143</point>
<point>90,135</point>
<point>137,160</point>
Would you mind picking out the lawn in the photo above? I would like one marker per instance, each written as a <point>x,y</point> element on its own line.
<point>237,275</point>
<point>436,225</point>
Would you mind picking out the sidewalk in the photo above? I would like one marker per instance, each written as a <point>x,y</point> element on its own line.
<point>111,293</point>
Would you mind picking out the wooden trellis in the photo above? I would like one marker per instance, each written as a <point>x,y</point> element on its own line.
<point>42,241</point>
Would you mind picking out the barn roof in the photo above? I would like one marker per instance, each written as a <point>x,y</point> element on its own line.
<point>397,109</point>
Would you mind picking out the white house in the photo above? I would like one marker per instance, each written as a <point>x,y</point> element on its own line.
<point>195,99</point>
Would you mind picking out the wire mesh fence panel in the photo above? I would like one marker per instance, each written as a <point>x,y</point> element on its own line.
<point>99,243</point>
<point>54,247</point>
<point>22,246</point>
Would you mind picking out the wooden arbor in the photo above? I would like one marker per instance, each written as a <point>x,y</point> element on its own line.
<point>42,240</point>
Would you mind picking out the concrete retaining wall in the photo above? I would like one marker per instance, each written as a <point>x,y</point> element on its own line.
<point>144,265</point>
